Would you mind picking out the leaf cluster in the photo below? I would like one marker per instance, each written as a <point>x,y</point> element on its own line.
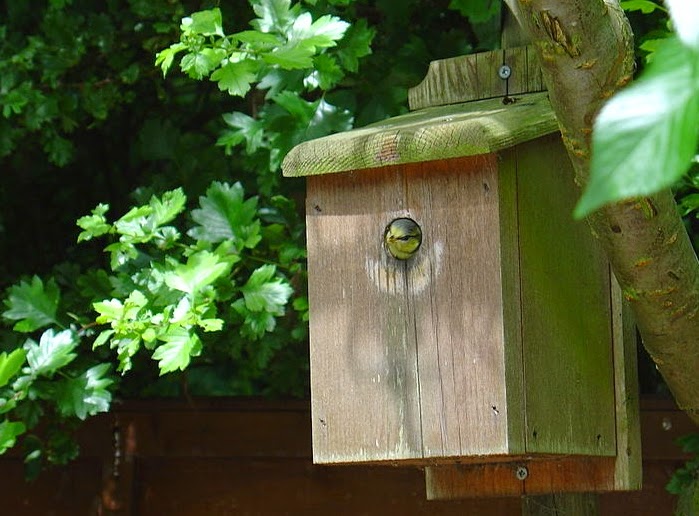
<point>165,291</point>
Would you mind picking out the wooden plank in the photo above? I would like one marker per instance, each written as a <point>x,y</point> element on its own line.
<point>445,305</point>
<point>511,293</point>
<point>458,308</point>
<point>565,312</point>
<point>364,387</point>
<point>567,474</point>
<point>431,134</point>
<point>628,467</point>
<point>475,77</point>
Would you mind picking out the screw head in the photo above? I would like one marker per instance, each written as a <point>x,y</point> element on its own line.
<point>504,72</point>
<point>521,473</point>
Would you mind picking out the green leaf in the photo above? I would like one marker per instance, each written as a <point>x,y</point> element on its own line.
<point>645,6</point>
<point>9,431</point>
<point>263,292</point>
<point>255,324</point>
<point>256,39</point>
<point>645,137</point>
<point>326,73</point>
<point>164,58</point>
<point>180,345</point>
<point>33,305</point>
<point>201,269</point>
<point>200,64</point>
<point>236,78</point>
<point>54,351</point>
<point>225,214</point>
<point>94,225</point>
<point>355,45</point>
<point>478,11</point>
<point>206,23</point>
<point>165,209</point>
<point>273,15</point>
<point>291,57</point>
<point>322,33</point>
<point>246,129</point>
<point>85,395</point>
<point>328,119</point>
<point>11,364</point>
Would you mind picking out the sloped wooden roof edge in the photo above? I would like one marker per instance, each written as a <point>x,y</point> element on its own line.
<point>442,132</point>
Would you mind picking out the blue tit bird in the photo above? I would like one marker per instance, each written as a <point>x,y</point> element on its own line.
<point>403,238</point>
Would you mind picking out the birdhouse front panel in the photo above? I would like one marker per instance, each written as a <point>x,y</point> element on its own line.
<point>399,345</point>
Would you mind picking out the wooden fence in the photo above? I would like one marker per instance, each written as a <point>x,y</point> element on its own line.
<point>247,457</point>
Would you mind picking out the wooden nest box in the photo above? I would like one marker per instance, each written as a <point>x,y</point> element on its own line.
<point>496,354</point>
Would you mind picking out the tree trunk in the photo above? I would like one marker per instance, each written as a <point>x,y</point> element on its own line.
<point>586,54</point>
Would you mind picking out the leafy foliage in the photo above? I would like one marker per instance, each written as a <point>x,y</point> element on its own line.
<point>645,137</point>
<point>685,480</point>
<point>210,292</point>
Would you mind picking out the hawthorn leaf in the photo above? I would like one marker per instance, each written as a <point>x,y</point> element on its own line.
<point>225,214</point>
<point>645,137</point>
<point>85,395</point>
<point>355,44</point>
<point>11,364</point>
<point>263,292</point>
<point>201,269</point>
<point>236,78</point>
<point>180,345</point>
<point>54,351</point>
<point>206,23</point>
<point>273,15</point>
<point>168,206</point>
<point>94,225</point>
<point>9,430</point>
<point>291,56</point>
<point>32,304</point>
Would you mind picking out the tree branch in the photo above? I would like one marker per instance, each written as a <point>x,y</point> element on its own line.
<point>586,53</point>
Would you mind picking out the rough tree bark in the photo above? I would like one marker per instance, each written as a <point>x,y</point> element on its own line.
<point>586,53</point>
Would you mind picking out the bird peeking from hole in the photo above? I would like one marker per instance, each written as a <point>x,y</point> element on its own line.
<point>402,237</point>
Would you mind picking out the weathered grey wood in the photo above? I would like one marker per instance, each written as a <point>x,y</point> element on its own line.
<point>458,308</point>
<point>541,181</point>
<point>512,294</point>
<point>365,402</point>
<point>566,312</point>
<point>628,465</point>
<point>377,323</point>
<point>437,133</point>
<point>475,77</point>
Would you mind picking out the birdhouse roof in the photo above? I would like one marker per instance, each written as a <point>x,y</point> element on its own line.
<point>434,133</point>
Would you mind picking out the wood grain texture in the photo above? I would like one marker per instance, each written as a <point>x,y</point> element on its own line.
<point>544,475</point>
<point>566,312</point>
<point>475,77</point>
<point>627,468</point>
<point>407,358</point>
<point>431,134</point>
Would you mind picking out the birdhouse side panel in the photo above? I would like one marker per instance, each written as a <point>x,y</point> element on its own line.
<point>566,311</point>
<point>364,386</point>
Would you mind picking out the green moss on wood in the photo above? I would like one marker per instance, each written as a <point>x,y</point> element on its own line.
<point>431,134</point>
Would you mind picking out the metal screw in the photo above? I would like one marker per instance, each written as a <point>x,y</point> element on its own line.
<point>504,72</point>
<point>521,473</point>
<point>666,424</point>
